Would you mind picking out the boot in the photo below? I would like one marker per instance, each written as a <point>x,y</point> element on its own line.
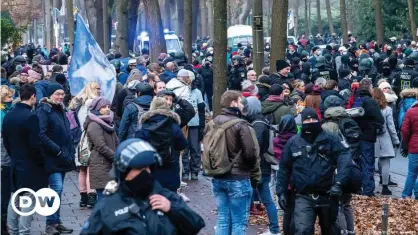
<point>385,190</point>
<point>92,199</point>
<point>83,199</point>
<point>391,183</point>
<point>254,210</point>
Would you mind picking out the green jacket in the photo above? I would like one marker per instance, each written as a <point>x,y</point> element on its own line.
<point>279,109</point>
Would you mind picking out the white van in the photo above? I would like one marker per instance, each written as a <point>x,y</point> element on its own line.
<point>240,34</point>
<point>171,41</point>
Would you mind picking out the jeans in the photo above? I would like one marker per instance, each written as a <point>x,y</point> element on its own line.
<point>233,200</point>
<point>5,196</point>
<point>56,183</point>
<point>20,224</point>
<point>412,175</point>
<point>367,163</point>
<point>99,193</point>
<point>265,197</point>
<point>191,156</point>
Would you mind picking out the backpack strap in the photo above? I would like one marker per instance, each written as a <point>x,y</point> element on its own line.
<point>230,123</point>
<point>139,110</point>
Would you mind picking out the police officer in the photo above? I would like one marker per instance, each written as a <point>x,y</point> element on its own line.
<point>366,72</point>
<point>323,71</point>
<point>404,79</point>
<point>237,74</point>
<point>414,57</point>
<point>140,205</point>
<point>310,159</point>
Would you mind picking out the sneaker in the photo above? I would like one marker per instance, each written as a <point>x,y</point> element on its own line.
<point>185,177</point>
<point>92,199</point>
<point>194,176</point>
<point>183,184</point>
<point>51,230</point>
<point>83,199</point>
<point>267,232</point>
<point>385,190</point>
<point>62,229</point>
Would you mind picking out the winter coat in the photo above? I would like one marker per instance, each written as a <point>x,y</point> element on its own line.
<point>55,136</point>
<point>290,56</point>
<point>179,88</point>
<point>331,116</point>
<point>4,109</point>
<point>343,84</point>
<point>297,72</point>
<point>20,133</point>
<point>247,164</point>
<point>297,96</point>
<point>129,122</point>
<point>279,109</point>
<point>41,86</point>
<point>410,129</point>
<point>324,95</point>
<point>408,97</point>
<point>391,102</point>
<point>166,76</point>
<point>313,100</point>
<point>167,175</point>
<point>384,143</point>
<point>263,90</point>
<point>207,74</point>
<point>185,110</point>
<point>120,100</point>
<point>83,109</point>
<point>103,142</point>
<point>113,107</point>
<point>262,131</point>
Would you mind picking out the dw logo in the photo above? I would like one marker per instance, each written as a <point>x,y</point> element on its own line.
<point>45,201</point>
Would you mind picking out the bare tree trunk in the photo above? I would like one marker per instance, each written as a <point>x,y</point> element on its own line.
<point>219,62</point>
<point>91,16</point>
<point>195,18</point>
<point>248,4</point>
<point>106,44</point>
<point>269,3</point>
<point>411,7</point>
<point>155,29</point>
<point>296,28</point>
<point>343,16</point>
<point>318,13</point>
<point>132,18</point>
<point>329,16</point>
<point>278,31</point>
<point>35,32</point>
<point>309,17</point>
<point>70,20</point>
<point>122,27</point>
<point>98,4</point>
<point>379,20</point>
<point>258,41</point>
<point>180,16</point>
<point>306,19</point>
<point>350,16</point>
<point>229,13</point>
<point>48,25</point>
<point>203,18</point>
<point>167,15</point>
<point>209,5</point>
<point>188,5</point>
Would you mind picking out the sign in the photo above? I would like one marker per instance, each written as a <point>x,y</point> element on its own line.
<point>45,201</point>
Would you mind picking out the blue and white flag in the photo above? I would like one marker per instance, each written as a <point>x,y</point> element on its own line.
<point>89,63</point>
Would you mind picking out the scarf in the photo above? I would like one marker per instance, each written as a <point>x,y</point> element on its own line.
<point>55,104</point>
<point>275,98</point>
<point>104,120</point>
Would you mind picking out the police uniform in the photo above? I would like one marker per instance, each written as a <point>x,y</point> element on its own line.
<point>404,79</point>
<point>311,169</point>
<point>237,74</point>
<point>323,71</point>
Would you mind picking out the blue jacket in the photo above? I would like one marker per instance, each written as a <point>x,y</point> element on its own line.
<point>152,122</point>
<point>404,105</point>
<point>55,137</point>
<point>129,122</point>
<point>123,77</point>
<point>41,87</point>
<point>166,76</point>
<point>20,134</point>
<point>142,69</point>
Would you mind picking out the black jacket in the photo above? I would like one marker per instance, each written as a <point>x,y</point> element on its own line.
<point>236,76</point>
<point>261,128</point>
<point>207,74</point>
<point>20,133</point>
<point>325,72</point>
<point>297,72</point>
<point>185,110</point>
<point>114,215</point>
<point>313,172</point>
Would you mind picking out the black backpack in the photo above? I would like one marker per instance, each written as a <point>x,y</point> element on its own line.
<point>350,133</point>
<point>162,139</point>
<point>354,183</point>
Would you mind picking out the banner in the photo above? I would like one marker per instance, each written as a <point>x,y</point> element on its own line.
<point>89,63</point>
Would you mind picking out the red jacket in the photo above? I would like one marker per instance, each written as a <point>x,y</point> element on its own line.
<point>410,128</point>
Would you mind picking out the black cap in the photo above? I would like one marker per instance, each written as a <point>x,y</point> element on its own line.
<point>281,64</point>
<point>308,113</point>
<point>165,93</point>
<point>276,89</point>
<point>144,89</point>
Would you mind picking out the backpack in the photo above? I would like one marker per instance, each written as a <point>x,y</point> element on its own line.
<point>353,185</point>
<point>215,158</point>
<point>380,129</point>
<point>269,155</point>
<point>83,150</point>
<point>162,140</point>
<point>350,133</point>
<point>75,127</point>
<point>139,124</point>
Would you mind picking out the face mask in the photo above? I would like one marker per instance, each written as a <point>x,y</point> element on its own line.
<point>310,131</point>
<point>386,71</point>
<point>141,185</point>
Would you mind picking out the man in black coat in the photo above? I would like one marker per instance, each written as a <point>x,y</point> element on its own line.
<point>207,73</point>
<point>21,139</point>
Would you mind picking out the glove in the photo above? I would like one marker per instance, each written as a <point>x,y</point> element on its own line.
<point>336,190</point>
<point>404,152</point>
<point>200,136</point>
<point>282,201</point>
<point>395,146</point>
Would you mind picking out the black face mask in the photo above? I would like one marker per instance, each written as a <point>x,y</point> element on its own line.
<point>386,71</point>
<point>141,185</point>
<point>310,131</point>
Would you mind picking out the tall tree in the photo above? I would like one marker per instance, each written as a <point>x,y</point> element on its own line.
<point>350,16</point>
<point>278,30</point>
<point>203,18</point>
<point>378,20</point>
<point>248,4</point>
<point>106,43</point>
<point>296,27</point>
<point>92,17</point>
<point>48,24</point>
<point>258,35</point>
<point>329,16</point>
<point>99,24</point>
<point>209,4</point>
<point>343,16</point>
<point>180,16</point>
<point>122,27</point>
<point>318,18</point>
<point>188,29</point>
<point>309,17</point>
<point>219,61</point>
<point>195,18</point>
<point>155,29</point>
<point>411,7</point>
<point>307,29</point>
<point>70,20</point>
<point>167,15</point>
<point>132,18</point>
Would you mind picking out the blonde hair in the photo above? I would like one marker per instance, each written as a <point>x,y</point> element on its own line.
<point>88,92</point>
<point>6,91</point>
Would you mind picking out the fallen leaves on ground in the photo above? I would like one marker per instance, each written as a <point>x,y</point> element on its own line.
<point>403,216</point>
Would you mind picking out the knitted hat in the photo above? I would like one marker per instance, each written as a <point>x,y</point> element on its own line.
<point>25,70</point>
<point>276,89</point>
<point>264,79</point>
<point>333,101</point>
<point>98,103</point>
<point>183,73</point>
<point>52,88</point>
<point>384,85</point>
<point>281,64</point>
<point>60,78</point>
<point>248,86</point>
<point>158,103</point>
<point>144,89</point>
<point>308,113</point>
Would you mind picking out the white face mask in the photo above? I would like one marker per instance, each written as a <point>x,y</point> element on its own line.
<point>344,53</point>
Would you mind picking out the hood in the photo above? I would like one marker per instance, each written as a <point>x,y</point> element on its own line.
<point>326,93</point>
<point>414,104</point>
<point>176,86</point>
<point>287,125</point>
<point>162,113</point>
<point>143,100</point>
<point>390,98</point>
<point>47,104</point>
<point>269,107</point>
<point>410,92</point>
<point>335,113</point>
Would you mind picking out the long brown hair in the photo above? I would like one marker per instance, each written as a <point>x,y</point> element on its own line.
<point>380,98</point>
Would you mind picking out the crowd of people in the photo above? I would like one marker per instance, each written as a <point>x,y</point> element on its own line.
<point>283,133</point>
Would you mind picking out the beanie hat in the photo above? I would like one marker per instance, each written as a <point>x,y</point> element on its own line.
<point>98,103</point>
<point>144,89</point>
<point>408,51</point>
<point>34,74</point>
<point>52,88</point>
<point>253,106</point>
<point>25,70</point>
<point>384,85</point>
<point>264,79</point>
<point>165,93</point>
<point>281,64</point>
<point>308,113</point>
<point>60,78</point>
<point>19,68</point>
<point>248,86</point>
<point>158,103</point>
<point>332,101</point>
<point>276,89</point>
